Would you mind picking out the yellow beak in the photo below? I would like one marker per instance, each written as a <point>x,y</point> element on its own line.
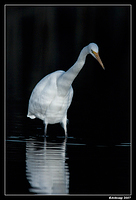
<point>99,59</point>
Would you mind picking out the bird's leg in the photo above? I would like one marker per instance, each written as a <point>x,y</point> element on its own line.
<point>66,135</point>
<point>65,129</point>
<point>64,123</point>
<point>45,129</point>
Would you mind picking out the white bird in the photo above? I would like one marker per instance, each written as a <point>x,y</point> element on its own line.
<point>52,96</point>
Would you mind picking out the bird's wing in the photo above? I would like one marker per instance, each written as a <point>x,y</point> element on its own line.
<point>43,94</point>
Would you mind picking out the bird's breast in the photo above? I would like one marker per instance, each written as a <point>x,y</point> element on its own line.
<point>56,110</point>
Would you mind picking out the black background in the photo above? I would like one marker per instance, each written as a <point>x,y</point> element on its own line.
<point>43,39</point>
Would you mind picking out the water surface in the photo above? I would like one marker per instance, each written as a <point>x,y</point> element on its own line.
<point>36,165</point>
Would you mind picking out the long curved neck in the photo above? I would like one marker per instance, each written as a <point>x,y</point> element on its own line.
<point>65,80</point>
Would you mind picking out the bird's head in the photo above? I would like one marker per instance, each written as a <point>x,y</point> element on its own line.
<point>94,51</point>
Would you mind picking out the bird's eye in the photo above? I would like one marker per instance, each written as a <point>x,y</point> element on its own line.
<point>92,51</point>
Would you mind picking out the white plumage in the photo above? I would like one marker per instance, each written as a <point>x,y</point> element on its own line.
<point>52,96</point>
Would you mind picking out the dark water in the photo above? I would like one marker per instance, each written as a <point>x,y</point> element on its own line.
<point>55,165</point>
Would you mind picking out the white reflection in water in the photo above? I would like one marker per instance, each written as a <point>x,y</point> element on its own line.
<point>46,169</point>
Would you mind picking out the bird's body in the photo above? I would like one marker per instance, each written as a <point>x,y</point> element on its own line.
<point>52,96</point>
<point>45,102</point>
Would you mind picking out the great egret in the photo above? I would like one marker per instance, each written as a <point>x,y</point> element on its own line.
<point>52,96</point>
